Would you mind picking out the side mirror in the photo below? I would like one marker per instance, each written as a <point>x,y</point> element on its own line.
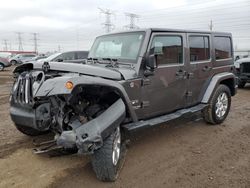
<point>151,61</point>
<point>59,60</point>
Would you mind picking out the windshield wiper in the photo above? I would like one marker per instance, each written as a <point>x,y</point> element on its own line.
<point>113,61</point>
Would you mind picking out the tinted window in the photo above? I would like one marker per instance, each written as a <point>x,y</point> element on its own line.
<point>168,48</point>
<point>199,48</point>
<point>223,48</point>
<point>82,55</point>
<point>66,56</point>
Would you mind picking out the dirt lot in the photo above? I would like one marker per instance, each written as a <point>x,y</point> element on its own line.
<point>191,154</point>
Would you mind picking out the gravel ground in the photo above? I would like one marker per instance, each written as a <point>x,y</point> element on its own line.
<point>180,154</point>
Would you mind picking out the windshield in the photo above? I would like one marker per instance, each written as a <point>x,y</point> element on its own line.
<point>122,46</point>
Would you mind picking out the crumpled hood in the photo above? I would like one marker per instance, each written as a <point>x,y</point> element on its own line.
<point>92,70</point>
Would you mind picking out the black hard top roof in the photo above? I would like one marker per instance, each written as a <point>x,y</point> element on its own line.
<point>174,30</point>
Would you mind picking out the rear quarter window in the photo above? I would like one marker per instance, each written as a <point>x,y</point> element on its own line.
<point>223,47</point>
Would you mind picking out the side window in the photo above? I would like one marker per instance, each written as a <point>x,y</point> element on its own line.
<point>169,49</point>
<point>68,56</point>
<point>223,47</point>
<point>199,48</point>
<point>82,55</point>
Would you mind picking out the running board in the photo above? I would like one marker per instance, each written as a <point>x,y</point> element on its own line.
<point>163,119</point>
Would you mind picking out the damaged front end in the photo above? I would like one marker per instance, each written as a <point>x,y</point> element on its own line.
<point>81,117</point>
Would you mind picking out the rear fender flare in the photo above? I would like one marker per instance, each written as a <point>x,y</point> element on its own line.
<point>215,81</point>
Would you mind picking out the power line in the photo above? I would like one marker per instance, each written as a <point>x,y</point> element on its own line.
<point>107,24</point>
<point>20,43</point>
<point>132,18</point>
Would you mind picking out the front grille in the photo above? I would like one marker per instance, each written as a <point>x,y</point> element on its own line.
<point>245,67</point>
<point>23,93</point>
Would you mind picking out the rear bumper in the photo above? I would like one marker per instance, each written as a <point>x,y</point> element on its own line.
<point>7,65</point>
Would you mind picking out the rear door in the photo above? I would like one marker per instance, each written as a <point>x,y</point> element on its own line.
<point>199,50</point>
<point>165,90</point>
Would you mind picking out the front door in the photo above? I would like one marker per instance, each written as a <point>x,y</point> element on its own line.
<point>165,90</point>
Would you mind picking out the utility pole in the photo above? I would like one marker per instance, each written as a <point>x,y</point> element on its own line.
<point>211,25</point>
<point>59,48</point>
<point>132,18</point>
<point>107,24</point>
<point>35,39</point>
<point>20,43</point>
<point>5,48</point>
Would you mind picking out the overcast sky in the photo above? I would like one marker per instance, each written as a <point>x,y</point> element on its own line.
<point>73,24</point>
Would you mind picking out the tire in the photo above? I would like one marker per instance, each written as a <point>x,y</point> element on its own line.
<point>1,67</point>
<point>219,103</point>
<point>103,163</point>
<point>29,131</point>
<point>241,84</point>
<point>13,62</point>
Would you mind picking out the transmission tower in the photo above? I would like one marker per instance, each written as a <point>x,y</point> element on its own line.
<point>5,48</point>
<point>19,38</point>
<point>211,25</point>
<point>35,39</point>
<point>132,17</point>
<point>107,24</point>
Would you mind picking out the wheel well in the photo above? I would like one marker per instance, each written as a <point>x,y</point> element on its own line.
<point>230,83</point>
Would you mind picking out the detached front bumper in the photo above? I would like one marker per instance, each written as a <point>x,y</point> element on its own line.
<point>90,136</point>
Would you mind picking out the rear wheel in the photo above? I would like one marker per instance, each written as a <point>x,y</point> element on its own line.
<point>29,131</point>
<point>241,84</point>
<point>13,62</point>
<point>1,67</point>
<point>219,106</point>
<point>108,160</point>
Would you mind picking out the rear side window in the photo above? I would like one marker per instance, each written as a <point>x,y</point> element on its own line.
<point>82,55</point>
<point>199,48</point>
<point>169,49</point>
<point>223,47</point>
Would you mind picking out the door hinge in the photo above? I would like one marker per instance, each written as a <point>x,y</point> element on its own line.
<point>189,93</point>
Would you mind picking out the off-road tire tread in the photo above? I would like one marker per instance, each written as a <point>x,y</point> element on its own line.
<point>102,161</point>
<point>208,112</point>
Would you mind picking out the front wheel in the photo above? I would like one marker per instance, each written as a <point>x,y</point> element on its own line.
<point>1,67</point>
<point>219,106</point>
<point>13,62</point>
<point>108,160</point>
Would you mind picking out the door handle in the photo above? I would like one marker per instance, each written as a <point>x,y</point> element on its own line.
<point>207,68</point>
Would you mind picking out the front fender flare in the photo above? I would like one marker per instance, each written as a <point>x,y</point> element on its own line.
<point>56,86</point>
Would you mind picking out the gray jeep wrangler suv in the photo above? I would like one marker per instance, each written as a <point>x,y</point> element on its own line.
<point>130,81</point>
